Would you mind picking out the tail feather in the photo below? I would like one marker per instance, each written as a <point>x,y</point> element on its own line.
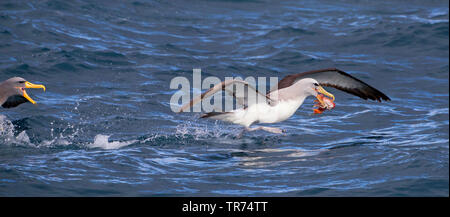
<point>224,116</point>
<point>214,115</point>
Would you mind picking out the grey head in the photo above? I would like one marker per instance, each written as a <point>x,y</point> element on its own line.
<point>12,92</point>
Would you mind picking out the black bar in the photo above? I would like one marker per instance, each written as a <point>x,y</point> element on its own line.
<point>223,206</point>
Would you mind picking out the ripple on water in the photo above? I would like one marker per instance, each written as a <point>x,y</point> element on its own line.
<point>104,126</point>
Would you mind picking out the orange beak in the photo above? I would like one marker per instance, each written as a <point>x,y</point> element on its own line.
<point>30,85</point>
<point>324,92</point>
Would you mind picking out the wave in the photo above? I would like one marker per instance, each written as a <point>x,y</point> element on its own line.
<point>101,141</point>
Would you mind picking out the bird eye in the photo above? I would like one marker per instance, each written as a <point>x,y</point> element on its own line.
<point>21,82</point>
<point>316,84</point>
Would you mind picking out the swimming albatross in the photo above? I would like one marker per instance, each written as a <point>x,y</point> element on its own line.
<point>281,103</point>
<point>12,92</point>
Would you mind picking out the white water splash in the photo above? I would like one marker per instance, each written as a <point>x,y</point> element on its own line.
<point>7,133</point>
<point>101,141</point>
<point>206,131</point>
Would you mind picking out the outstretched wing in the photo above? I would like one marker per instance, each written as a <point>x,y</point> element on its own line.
<point>242,95</point>
<point>338,79</point>
<point>14,101</point>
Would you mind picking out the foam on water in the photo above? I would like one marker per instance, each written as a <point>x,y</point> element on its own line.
<point>200,130</point>
<point>7,135</point>
<point>101,141</point>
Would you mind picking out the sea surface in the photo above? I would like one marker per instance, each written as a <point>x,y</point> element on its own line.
<point>104,126</point>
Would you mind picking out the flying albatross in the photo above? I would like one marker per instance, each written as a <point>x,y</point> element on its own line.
<point>12,92</point>
<point>290,93</point>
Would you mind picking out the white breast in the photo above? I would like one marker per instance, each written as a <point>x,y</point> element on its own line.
<point>264,113</point>
<point>288,100</point>
<point>280,112</point>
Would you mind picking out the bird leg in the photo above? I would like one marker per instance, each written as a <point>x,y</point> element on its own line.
<point>268,129</point>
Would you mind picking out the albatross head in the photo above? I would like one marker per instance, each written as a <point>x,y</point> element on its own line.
<point>18,85</point>
<point>312,87</point>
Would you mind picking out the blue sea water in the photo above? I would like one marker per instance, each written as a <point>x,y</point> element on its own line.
<point>104,126</point>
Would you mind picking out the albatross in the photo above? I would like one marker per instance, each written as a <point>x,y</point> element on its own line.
<point>12,92</point>
<point>283,101</point>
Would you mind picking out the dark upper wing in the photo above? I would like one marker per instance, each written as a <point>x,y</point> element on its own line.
<point>241,95</point>
<point>14,101</point>
<point>338,79</point>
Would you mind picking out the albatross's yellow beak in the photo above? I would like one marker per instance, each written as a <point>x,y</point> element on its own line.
<point>324,92</point>
<point>30,85</point>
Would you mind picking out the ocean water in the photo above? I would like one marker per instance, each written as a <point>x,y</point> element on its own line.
<point>104,126</point>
